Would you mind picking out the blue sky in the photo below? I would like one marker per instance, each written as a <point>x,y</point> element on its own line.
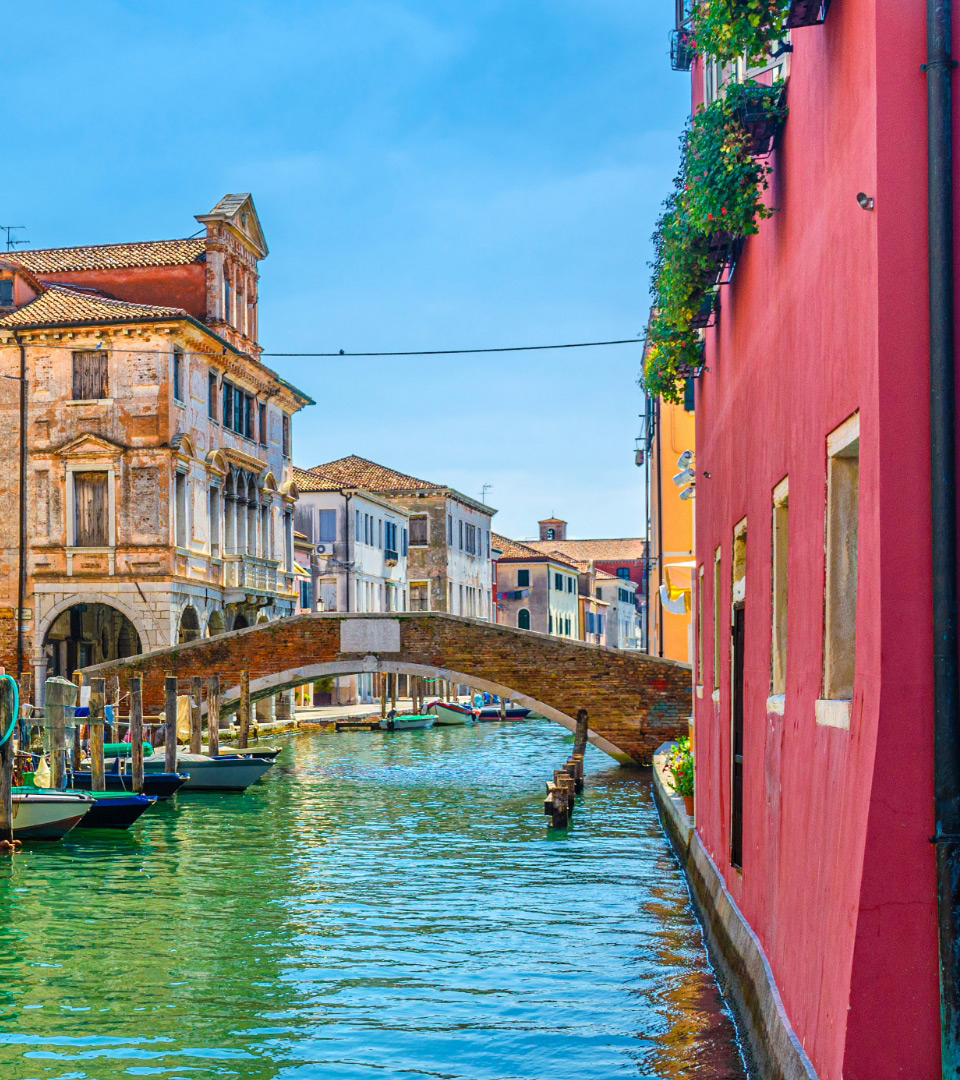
<point>428,174</point>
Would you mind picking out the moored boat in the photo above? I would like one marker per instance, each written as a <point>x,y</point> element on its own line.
<point>39,814</point>
<point>228,772</point>
<point>452,713</point>
<point>407,723</point>
<point>511,712</point>
<point>115,809</point>
<point>161,785</point>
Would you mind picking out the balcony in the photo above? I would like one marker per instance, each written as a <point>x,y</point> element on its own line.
<point>247,574</point>
<point>391,557</point>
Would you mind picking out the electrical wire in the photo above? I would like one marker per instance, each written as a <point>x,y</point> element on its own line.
<point>332,355</point>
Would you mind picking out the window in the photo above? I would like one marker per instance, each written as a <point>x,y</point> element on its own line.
<point>419,531</point>
<point>566,625</point>
<point>403,550</point>
<point>623,572</point>
<point>286,435</point>
<point>778,639</point>
<point>356,527</point>
<point>550,623</point>
<point>624,596</point>
<point>460,523</point>
<point>419,596</point>
<point>91,505</point>
<point>262,422</point>
<point>487,534</point>
<point>212,395</point>
<point>558,582</point>
<point>470,539</point>
<point>89,375</point>
<point>180,509</point>
<point>178,376</point>
<point>227,409</point>
<point>523,579</point>
<point>226,296</point>
<point>6,292</point>
<point>380,533</point>
<point>570,584</point>
<point>328,526</point>
<point>840,600</point>
<point>716,620</point>
<point>390,539</point>
<point>551,534</point>
<point>599,593</point>
<point>214,514</point>
<point>450,529</point>
<point>306,595</point>
<point>523,619</point>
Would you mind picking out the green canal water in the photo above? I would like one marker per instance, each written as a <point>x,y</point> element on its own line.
<point>386,905</point>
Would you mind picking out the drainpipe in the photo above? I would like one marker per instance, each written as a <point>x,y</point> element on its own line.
<point>944,521</point>
<point>346,535</point>
<point>22,541</point>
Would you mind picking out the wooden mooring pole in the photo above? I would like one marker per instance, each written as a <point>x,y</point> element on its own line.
<point>77,747</point>
<point>136,734</point>
<point>196,720</point>
<point>97,696</point>
<point>213,715</point>
<point>567,782</point>
<point>114,694</point>
<point>170,723</point>
<point>243,709</point>
<point>59,694</point>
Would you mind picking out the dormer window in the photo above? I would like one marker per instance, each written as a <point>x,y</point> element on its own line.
<point>6,292</point>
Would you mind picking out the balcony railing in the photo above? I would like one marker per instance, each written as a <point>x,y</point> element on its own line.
<point>391,557</point>
<point>251,573</point>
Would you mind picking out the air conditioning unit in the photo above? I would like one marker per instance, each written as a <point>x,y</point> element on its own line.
<point>324,549</point>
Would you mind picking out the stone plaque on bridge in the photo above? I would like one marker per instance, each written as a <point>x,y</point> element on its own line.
<point>370,635</point>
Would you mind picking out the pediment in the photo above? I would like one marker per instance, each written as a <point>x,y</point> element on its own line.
<point>90,446</point>
<point>240,214</point>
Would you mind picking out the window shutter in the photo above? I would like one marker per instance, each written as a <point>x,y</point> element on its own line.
<point>89,376</point>
<point>91,507</point>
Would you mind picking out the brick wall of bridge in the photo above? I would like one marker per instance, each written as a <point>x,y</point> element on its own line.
<point>635,701</point>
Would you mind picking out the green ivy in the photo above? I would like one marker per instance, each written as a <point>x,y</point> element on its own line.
<point>671,356</point>
<point>728,29</point>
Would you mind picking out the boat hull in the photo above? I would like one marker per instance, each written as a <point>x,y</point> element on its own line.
<point>226,773</point>
<point>407,723</point>
<point>512,712</point>
<point>160,785</point>
<point>48,816</point>
<point>449,715</point>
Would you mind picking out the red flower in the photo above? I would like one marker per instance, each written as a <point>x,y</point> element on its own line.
<point>709,217</point>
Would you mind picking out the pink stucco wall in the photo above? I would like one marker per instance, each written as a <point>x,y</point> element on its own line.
<point>827,316</point>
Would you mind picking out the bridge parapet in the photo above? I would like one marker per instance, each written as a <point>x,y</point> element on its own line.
<point>635,701</point>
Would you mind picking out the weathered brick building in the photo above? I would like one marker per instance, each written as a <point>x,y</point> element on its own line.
<point>159,491</point>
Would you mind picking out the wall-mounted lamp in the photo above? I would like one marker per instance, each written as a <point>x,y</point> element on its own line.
<point>688,493</point>
<point>865,201</point>
<point>684,477</point>
<point>685,460</point>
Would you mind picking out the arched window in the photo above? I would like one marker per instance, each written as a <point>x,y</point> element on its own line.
<point>551,534</point>
<point>523,619</point>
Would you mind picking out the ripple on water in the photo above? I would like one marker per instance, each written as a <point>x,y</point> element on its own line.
<point>382,905</point>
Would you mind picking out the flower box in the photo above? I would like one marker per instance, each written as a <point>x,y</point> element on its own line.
<point>761,114</point>
<point>806,13</point>
<point>724,250</point>
<point>682,51</point>
<point>704,315</point>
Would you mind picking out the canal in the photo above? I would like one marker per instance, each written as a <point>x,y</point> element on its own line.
<point>386,905</point>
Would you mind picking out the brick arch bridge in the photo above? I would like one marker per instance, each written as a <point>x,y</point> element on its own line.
<point>635,701</point>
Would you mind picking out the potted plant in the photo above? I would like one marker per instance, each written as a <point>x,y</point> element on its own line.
<point>730,29</point>
<point>680,764</point>
<point>760,110</point>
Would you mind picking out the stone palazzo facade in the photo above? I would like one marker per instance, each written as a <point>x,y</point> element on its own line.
<point>159,483</point>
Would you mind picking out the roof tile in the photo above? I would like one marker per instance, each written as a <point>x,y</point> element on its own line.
<point>60,305</point>
<point>359,472</point>
<point>111,256</point>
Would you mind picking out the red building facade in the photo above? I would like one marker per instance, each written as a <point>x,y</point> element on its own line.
<point>814,701</point>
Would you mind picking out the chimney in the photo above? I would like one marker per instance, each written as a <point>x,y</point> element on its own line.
<point>553,529</point>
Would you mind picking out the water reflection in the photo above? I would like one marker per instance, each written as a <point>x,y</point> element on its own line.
<point>386,904</point>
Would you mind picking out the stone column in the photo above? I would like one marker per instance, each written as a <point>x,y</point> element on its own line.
<point>285,710</point>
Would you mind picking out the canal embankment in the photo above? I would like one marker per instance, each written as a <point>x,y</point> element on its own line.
<point>745,974</point>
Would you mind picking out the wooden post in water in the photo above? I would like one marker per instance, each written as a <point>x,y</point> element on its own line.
<point>170,723</point>
<point>503,707</point>
<point>115,702</point>
<point>77,748</point>
<point>393,692</point>
<point>58,694</point>
<point>136,733</point>
<point>244,709</point>
<point>383,697</point>
<point>213,715</point>
<point>6,767</point>
<point>196,721</point>
<point>97,695</point>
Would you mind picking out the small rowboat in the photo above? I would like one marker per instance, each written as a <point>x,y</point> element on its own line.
<point>115,809</point>
<point>407,723</point>
<point>511,712</point>
<point>453,714</point>
<point>39,814</point>
<point>160,785</point>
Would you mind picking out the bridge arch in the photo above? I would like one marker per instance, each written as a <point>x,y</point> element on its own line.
<point>634,701</point>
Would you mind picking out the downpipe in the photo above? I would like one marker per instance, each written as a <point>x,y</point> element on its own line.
<point>939,68</point>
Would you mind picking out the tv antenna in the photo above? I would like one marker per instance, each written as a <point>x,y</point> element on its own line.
<point>12,242</point>
<point>483,493</point>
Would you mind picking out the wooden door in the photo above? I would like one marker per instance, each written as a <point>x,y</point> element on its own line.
<point>736,792</point>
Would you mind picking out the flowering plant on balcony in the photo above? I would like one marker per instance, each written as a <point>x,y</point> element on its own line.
<point>724,182</point>
<point>672,355</point>
<point>680,764</point>
<point>681,262</point>
<point>728,29</point>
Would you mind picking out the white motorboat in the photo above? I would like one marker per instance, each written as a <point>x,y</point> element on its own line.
<point>406,723</point>
<point>229,772</point>
<point>452,714</point>
<point>47,815</point>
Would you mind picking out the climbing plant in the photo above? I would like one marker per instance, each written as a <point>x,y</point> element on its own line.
<point>728,29</point>
<point>671,356</point>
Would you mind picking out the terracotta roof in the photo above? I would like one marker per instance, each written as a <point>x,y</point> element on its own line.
<point>625,548</point>
<point>111,256</point>
<point>356,471</point>
<point>307,480</point>
<point>61,305</point>
<point>514,549</point>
